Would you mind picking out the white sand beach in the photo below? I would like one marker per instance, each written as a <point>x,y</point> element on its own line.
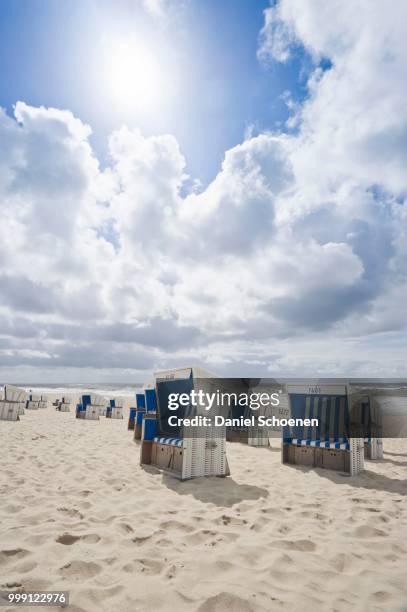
<point>78,513</point>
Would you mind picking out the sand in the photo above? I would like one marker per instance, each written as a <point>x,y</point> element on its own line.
<point>78,513</point>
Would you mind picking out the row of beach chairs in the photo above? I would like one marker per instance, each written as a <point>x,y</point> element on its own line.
<point>349,428</point>
<point>93,406</point>
<point>36,402</point>
<point>14,401</point>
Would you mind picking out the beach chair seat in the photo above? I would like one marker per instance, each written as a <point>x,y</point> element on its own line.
<point>167,453</point>
<point>169,441</point>
<point>341,444</point>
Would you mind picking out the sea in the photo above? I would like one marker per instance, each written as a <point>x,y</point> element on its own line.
<point>61,389</point>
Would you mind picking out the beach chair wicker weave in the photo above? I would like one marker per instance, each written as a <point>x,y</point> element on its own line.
<point>188,452</point>
<point>327,444</point>
<point>91,407</point>
<point>13,403</point>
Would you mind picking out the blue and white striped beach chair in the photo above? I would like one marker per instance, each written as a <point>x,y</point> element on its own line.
<point>132,417</point>
<point>115,408</point>
<point>90,407</point>
<point>146,401</point>
<point>325,441</point>
<point>184,451</point>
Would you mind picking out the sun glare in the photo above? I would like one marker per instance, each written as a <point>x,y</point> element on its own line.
<point>133,75</point>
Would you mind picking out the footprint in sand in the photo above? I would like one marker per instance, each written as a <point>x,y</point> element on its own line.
<point>226,601</point>
<point>68,539</point>
<point>80,570</point>
<point>365,531</point>
<point>72,512</point>
<point>126,528</point>
<point>172,571</point>
<point>176,525</point>
<point>341,562</point>
<point>12,555</point>
<point>302,545</point>
<point>141,539</point>
<point>148,566</point>
<point>25,567</point>
<point>382,596</point>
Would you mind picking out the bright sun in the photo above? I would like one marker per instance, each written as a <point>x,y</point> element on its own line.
<point>133,76</point>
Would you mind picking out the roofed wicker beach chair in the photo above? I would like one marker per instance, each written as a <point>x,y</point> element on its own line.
<point>184,451</point>
<point>327,444</point>
<point>115,408</point>
<point>132,417</point>
<point>64,405</point>
<point>33,402</point>
<point>255,435</point>
<point>43,401</point>
<point>141,409</point>
<point>238,433</point>
<point>91,407</point>
<point>12,403</point>
<point>368,414</point>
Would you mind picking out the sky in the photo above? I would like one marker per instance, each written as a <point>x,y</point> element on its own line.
<point>202,182</point>
<point>212,88</point>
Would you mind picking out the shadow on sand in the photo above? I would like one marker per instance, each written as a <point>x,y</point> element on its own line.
<point>392,461</point>
<point>214,490</point>
<point>365,480</point>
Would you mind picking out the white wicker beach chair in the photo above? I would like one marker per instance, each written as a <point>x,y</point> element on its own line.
<point>13,403</point>
<point>190,452</point>
<point>33,402</point>
<point>43,403</point>
<point>64,405</point>
<point>116,411</point>
<point>91,407</point>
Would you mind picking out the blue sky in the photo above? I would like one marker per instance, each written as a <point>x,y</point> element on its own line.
<point>50,55</point>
